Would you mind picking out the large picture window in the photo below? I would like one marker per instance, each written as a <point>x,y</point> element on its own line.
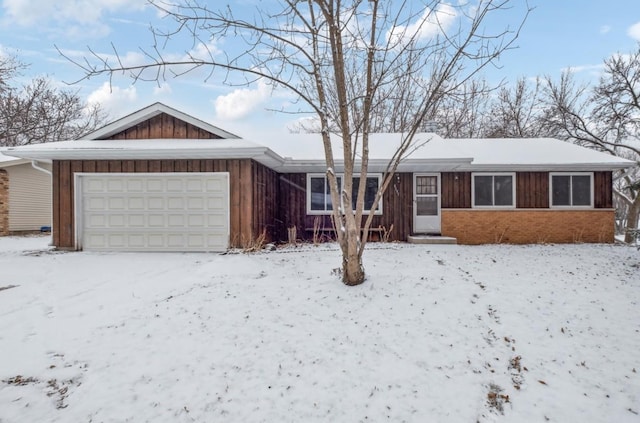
<point>319,194</point>
<point>571,190</point>
<point>493,190</point>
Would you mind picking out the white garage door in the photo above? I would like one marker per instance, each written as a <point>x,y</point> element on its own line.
<point>153,211</point>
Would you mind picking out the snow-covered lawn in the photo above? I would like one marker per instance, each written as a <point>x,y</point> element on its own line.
<point>437,334</point>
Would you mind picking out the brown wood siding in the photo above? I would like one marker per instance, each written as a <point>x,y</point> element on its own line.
<point>602,190</point>
<point>244,222</point>
<point>397,207</point>
<point>456,190</point>
<point>532,190</point>
<point>265,201</point>
<point>291,203</point>
<point>162,126</point>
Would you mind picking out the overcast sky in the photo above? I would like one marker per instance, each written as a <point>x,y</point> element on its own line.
<point>558,34</point>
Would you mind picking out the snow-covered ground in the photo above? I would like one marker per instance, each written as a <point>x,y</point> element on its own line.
<point>436,334</point>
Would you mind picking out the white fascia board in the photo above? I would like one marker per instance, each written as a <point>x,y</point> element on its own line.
<point>375,165</point>
<point>260,154</point>
<point>555,167</point>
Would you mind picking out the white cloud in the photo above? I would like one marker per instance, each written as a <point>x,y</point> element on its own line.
<point>114,99</point>
<point>239,103</point>
<point>431,23</point>
<point>32,12</point>
<point>204,51</point>
<point>163,89</point>
<point>604,29</point>
<point>634,31</point>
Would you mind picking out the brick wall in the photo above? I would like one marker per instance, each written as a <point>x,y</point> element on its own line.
<point>527,226</point>
<point>4,202</point>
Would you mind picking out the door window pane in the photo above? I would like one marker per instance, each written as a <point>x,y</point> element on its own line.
<point>427,206</point>
<point>426,185</point>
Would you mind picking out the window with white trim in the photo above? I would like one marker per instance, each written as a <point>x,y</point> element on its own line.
<point>319,193</point>
<point>571,189</point>
<point>493,190</point>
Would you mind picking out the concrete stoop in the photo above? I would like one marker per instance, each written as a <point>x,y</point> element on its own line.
<point>431,239</point>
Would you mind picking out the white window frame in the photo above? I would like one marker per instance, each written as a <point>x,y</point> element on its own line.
<point>571,206</point>
<point>339,175</point>
<point>473,190</point>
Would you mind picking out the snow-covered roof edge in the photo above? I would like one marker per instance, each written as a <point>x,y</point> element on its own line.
<point>436,156</point>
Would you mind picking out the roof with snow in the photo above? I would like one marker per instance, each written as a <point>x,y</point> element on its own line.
<point>305,153</point>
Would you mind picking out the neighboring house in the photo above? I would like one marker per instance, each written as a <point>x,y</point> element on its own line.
<point>161,180</point>
<point>25,196</point>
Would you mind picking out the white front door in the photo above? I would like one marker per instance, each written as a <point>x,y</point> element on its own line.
<point>426,203</point>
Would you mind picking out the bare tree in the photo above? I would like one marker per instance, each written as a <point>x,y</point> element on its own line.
<point>342,59</point>
<point>38,112</point>
<point>518,111</point>
<point>466,113</point>
<point>607,118</point>
<point>10,66</point>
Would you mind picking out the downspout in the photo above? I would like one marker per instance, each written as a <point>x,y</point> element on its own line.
<point>36,166</point>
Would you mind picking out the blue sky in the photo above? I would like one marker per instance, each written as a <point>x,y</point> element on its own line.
<point>557,35</point>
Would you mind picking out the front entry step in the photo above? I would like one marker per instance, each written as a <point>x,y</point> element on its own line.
<point>431,239</point>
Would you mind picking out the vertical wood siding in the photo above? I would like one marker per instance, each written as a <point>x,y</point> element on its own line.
<point>265,201</point>
<point>162,126</point>
<point>397,207</point>
<point>603,190</point>
<point>246,221</point>
<point>532,190</point>
<point>456,190</point>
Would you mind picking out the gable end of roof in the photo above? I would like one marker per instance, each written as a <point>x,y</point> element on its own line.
<point>149,112</point>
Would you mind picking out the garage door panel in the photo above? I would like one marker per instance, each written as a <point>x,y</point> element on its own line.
<point>214,186</point>
<point>216,220</point>
<point>159,212</point>
<point>216,203</point>
<point>117,220</point>
<point>176,203</point>
<point>135,203</point>
<point>135,185</point>
<point>95,203</point>
<point>195,203</point>
<point>116,185</point>
<point>155,203</point>
<point>116,203</point>
<point>175,185</point>
<point>194,186</point>
<point>136,220</point>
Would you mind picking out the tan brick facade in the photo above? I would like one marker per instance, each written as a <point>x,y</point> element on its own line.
<point>4,203</point>
<point>528,226</point>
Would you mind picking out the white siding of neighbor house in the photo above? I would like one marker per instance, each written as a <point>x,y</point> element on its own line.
<point>29,198</point>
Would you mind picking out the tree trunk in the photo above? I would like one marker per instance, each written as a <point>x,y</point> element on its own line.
<point>632,218</point>
<point>352,268</point>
